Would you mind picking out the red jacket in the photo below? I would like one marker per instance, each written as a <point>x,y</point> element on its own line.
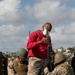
<point>35,49</point>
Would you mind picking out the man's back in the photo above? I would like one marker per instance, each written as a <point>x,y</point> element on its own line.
<point>34,48</point>
<point>10,68</point>
<point>63,69</point>
<point>73,63</point>
<point>16,68</point>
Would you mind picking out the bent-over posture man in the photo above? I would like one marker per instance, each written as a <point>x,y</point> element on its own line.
<point>37,49</point>
<point>61,67</point>
<point>19,65</point>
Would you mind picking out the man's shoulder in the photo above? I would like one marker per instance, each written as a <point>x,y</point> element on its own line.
<point>15,63</point>
<point>36,32</point>
<point>10,63</point>
<point>60,71</point>
<point>64,68</point>
<point>60,68</point>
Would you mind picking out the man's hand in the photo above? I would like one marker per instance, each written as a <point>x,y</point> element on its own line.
<point>43,40</point>
<point>46,71</point>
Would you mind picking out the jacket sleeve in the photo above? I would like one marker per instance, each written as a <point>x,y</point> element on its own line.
<point>32,41</point>
<point>10,68</point>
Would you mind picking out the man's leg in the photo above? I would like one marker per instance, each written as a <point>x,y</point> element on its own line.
<point>34,66</point>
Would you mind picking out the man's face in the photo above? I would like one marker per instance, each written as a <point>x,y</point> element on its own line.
<point>48,27</point>
<point>21,60</point>
<point>45,31</point>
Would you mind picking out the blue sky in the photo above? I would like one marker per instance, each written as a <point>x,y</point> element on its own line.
<point>30,2</point>
<point>18,17</point>
<point>71,4</point>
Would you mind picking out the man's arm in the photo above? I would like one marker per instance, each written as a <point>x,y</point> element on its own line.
<point>32,41</point>
<point>10,68</point>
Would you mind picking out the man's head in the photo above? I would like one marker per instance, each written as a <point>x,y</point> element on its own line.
<point>21,54</point>
<point>59,57</point>
<point>74,54</point>
<point>47,26</point>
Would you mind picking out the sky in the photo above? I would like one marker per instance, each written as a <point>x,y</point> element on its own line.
<point>18,17</point>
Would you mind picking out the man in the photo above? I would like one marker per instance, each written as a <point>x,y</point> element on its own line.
<point>73,63</point>
<point>37,49</point>
<point>19,65</point>
<point>61,67</point>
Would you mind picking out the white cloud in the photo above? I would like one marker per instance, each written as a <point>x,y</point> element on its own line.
<point>70,29</point>
<point>53,11</point>
<point>60,15</point>
<point>64,36</point>
<point>10,11</point>
<point>12,37</point>
<point>11,30</point>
